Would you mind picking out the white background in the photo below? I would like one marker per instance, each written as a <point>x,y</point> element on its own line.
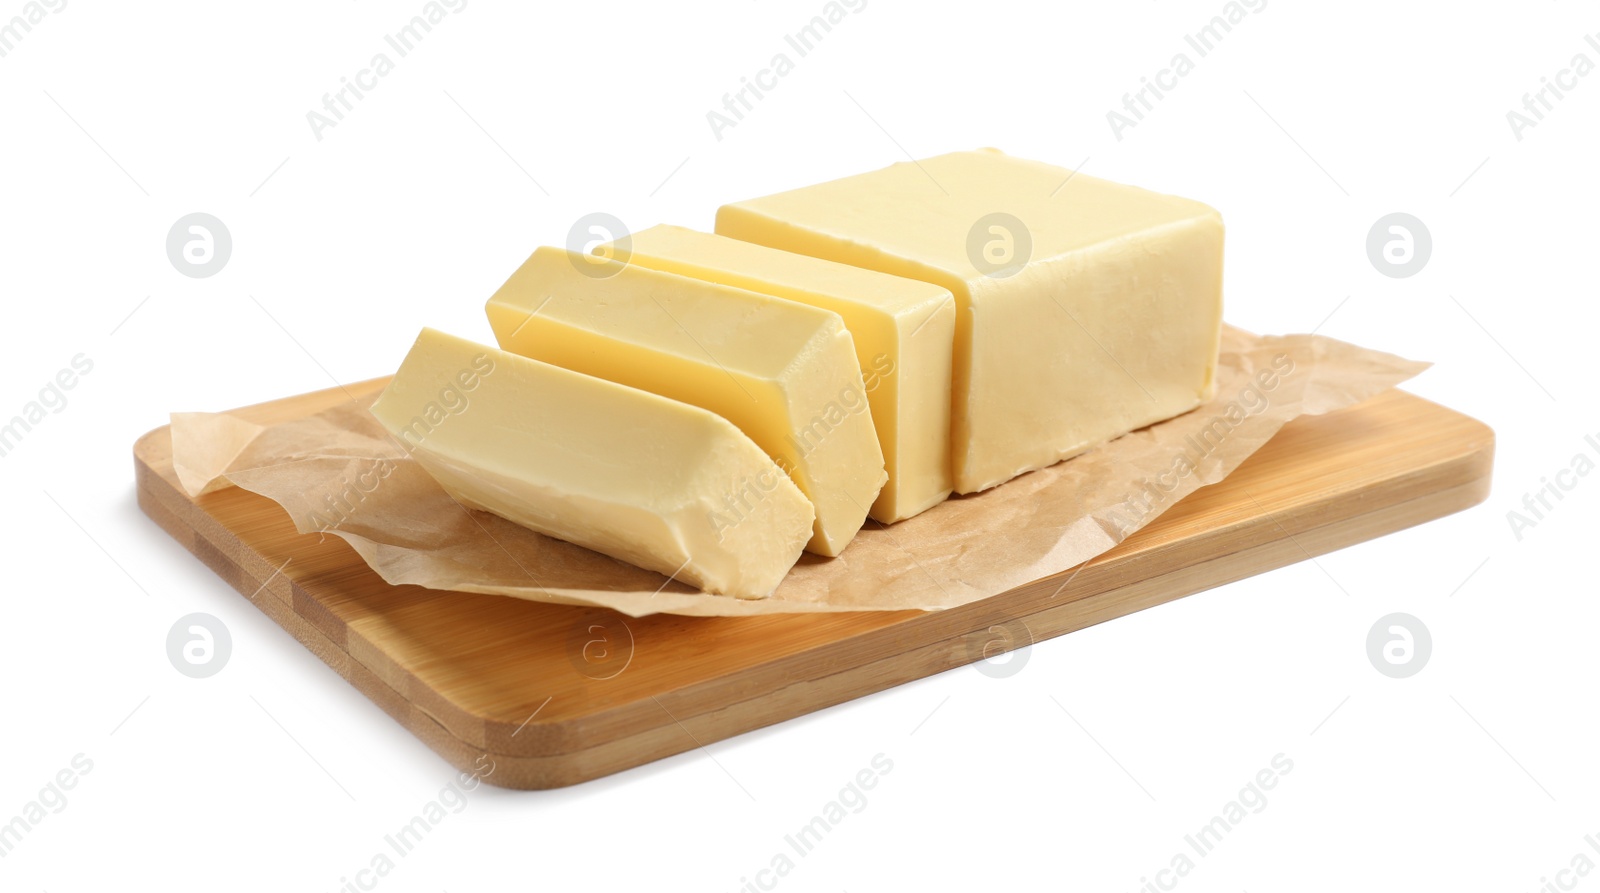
<point>1308,123</point>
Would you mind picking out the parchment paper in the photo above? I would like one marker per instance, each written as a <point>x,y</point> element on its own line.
<point>338,473</point>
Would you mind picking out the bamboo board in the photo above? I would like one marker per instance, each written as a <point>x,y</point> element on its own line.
<point>556,695</point>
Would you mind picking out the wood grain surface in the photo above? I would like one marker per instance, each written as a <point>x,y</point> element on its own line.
<point>556,695</point>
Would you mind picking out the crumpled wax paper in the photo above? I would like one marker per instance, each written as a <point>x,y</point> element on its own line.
<point>339,473</point>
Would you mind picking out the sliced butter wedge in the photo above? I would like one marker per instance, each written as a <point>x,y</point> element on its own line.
<point>666,486</point>
<point>783,372</point>
<point>903,330</point>
<point>1086,309</point>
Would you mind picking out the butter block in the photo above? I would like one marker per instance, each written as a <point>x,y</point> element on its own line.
<point>1085,308</point>
<point>903,331</point>
<point>784,373</point>
<point>651,481</point>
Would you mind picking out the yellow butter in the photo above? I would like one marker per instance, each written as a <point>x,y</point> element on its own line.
<point>1086,308</point>
<point>903,331</point>
<point>784,373</point>
<point>651,481</point>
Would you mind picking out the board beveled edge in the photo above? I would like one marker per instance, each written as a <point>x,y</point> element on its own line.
<point>1451,486</point>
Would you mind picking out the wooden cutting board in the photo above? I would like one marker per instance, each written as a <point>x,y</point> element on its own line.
<point>556,695</point>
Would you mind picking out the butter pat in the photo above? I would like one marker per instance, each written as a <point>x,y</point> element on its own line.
<point>784,373</point>
<point>903,331</point>
<point>662,485</point>
<point>1085,309</point>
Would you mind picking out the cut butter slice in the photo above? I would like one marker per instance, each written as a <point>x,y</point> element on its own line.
<point>784,373</point>
<point>665,486</point>
<point>1086,309</point>
<point>903,330</point>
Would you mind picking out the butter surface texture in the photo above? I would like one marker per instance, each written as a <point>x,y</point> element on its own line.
<point>1085,308</point>
<point>784,373</point>
<point>903,331</point>
<point>662,485</point>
